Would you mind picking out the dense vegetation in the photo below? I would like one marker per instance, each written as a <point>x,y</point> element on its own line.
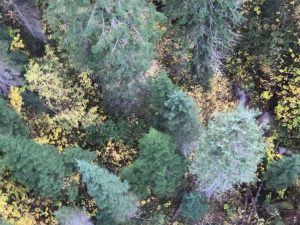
<point>149,112</point>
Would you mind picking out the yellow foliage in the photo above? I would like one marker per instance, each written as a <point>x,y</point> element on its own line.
<point>46,130</point>
<point>15,98</point>
<point>281,194</point>
<point>116,154</point>
<point>19,208</point>
<point>288,108</point>
<point>74,102</point>
<point>17,43</point>
<point>219,99</point>
<point>271,147</point>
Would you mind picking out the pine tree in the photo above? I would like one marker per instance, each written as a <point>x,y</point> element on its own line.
<point>182,121</point>
<point>160,88</point>
<point>174,112</point>
<point>206,27</point>
<point>41,168</point>
<point>110,194</point>
<point>10,122</point>
<point>71,155</point>
<point>115,39</point>
<point>158,167</point>
<point>283,172</point>
<point>193,206</point>
<point>229,151</point>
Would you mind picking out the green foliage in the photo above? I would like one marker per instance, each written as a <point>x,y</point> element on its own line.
<point>174,112</point>
<point>122,130</point>
<point>13,57</point>
<point>115,39</point>
<point>110,194</point>
<point>229,151</point>
<point>206,28</point>
<point>193,206</point>
<point>283,172</point>
<point>160,88</point>
<point>10,122</point>
<point>40,167</point>
<point>73,154</point>
<point>158,168</point>
<point>182,120</point>
<point>158,219</point>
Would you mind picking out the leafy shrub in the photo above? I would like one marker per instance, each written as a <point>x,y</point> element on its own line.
<point>220,98</point>
<point>20,207</point>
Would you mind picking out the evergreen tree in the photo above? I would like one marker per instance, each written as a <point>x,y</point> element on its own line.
<point>283,172</point>
<point>229,150</point>
<point>40,167</point>
<point>206,27</point>
<point>158,167</point>
<point>173,112</point>
<point>160,88</point>
<point>193,206</point>
<point>116,39</point>
<point>182,121</point>
<point>110,194</point>
<point>10,122</point>
<point>71,155</point>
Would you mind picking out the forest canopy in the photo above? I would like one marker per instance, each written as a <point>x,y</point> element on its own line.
<point>149,112</point>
